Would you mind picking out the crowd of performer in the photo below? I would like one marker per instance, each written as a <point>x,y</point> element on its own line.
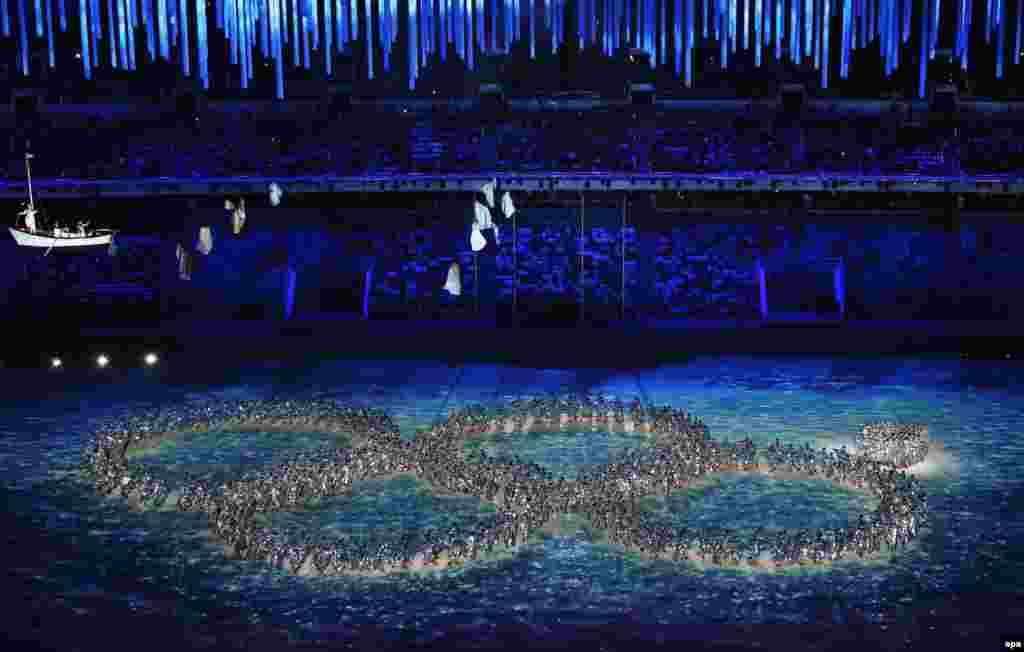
<point>527,496</point>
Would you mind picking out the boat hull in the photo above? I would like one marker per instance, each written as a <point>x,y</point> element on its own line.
<point>26,239</point>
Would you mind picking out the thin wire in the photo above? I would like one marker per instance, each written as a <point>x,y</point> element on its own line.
<point>622,295</point>
<point>583,289</point>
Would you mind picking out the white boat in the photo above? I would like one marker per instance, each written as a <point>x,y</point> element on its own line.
<point>27,234</point>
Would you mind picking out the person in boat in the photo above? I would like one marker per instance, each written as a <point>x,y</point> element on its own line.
<point>29,214</point>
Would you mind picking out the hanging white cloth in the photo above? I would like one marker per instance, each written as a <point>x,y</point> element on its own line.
<point>237,215</point>
<point>482,216</point>
<point>476,239</point>
<point>205,244</point>
<point>488,191</point>
<point>184,264</point>
<point>454,283</point>
<point>506,205</point>
<point>275,194</point>
<point>112,249</point>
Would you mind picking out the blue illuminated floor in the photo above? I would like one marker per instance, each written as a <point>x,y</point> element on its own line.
<point>87,563</point>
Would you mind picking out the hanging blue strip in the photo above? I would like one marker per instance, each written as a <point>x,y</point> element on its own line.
<point>63,16</point>
<point>1020,28</point>
<point>122,34</point>
<point>329,37</point>
<point>724,39</point>
<point>907,8</point>
<point>314,15</point>
<point>531,13</point>
<point>218,13</point>
<point>369,41</point>
<point>845,44</point>
<point>758,19</point>
<point>184,46</point>
<point>133,22</point>
<point>1001,44</point>
<point>201,28</point>
<point>111,34</point>
<point>340,24</point>
<point>690,31</point>
<point>922,75</point>
<point>679,37</point>
<point>231,30</point>
<point>808,26</point>
<point>967,32</point>
<point>84,31</point>
<point>264,29</point>
<point>934,34</point>
<point>242,38</point>
<point>5,20</point>
<point>989,22</point>
<point>778,29</point>
<point>824,52</point>
<point>275,36</point>
<point>39,19</point>
<point>413,46</point>
<point>304,37</point>
<point>296,43</point>
<point>49,33</point>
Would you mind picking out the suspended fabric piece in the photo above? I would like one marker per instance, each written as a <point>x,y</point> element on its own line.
<point>184,264</point>
<point>481,222</point>
<point>112,249</point>
<point>294,30</point>
<point>237,215</point>
<point>488,191</point>
<point>453,285</point>
<point>507,209</point>
<point>275,195</point>
<point>205,244</point>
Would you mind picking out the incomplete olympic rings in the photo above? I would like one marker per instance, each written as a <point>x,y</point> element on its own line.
<point>526,495</point>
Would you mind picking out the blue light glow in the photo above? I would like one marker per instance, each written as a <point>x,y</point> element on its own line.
<point>122,33</point>
<point>83,21</point>
<point>49,32</point>
<point>923,71</point>
<point>758,20</point>
<point>606,24</point>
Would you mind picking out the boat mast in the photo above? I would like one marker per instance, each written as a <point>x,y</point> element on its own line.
<point>28,170</point>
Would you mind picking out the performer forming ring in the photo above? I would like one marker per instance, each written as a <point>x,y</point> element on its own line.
<point>527,496</point>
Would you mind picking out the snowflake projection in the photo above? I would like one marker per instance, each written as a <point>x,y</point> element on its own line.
<point>523,497</point>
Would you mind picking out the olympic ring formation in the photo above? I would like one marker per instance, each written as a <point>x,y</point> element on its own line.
<point>527,496</point>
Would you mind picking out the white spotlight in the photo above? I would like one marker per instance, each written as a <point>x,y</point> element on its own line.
<point>151,359</point>
<point>56,363</point>
<point>102,360</point>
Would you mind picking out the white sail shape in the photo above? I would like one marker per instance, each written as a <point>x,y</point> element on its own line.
<point>205,244</point>
<point>179,252</point>
<point>476,240</point>
<point>488,191</point>
<point>454,283</point>
<point>275,194</point>
<point>482,216</point>
<point>506,205</point>
<point>497,238</point>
